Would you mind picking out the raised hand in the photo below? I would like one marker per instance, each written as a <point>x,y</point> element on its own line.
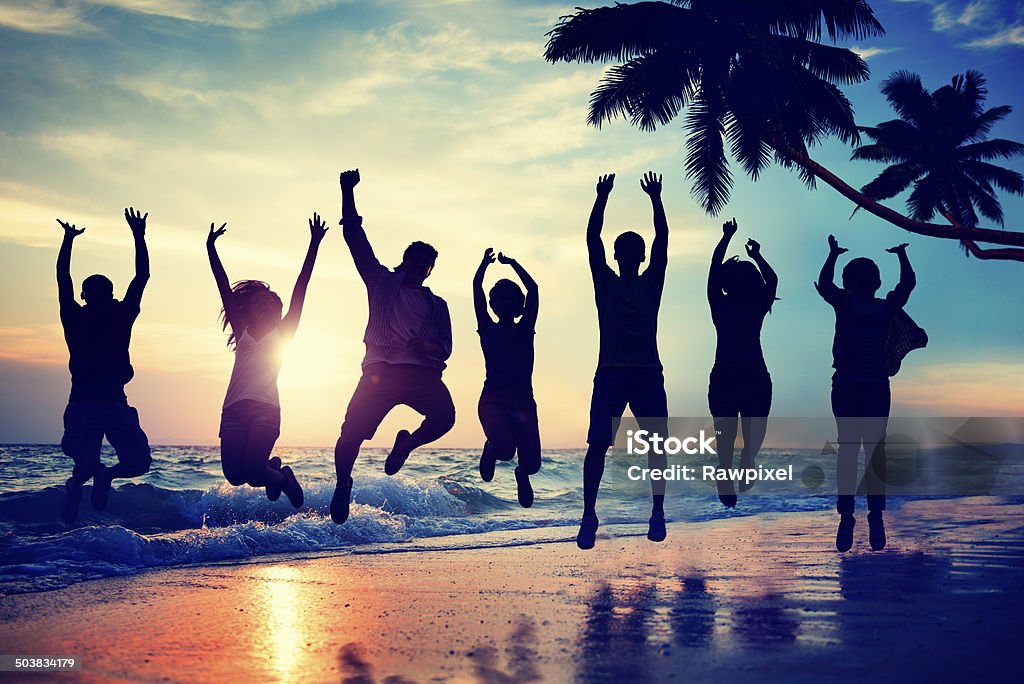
<point>901,248</point>
<point>488,256</point>
<point>729,228</point>
<point>833,246</point>
<point>349,179</point>
<point>605,183</point>
<point>136,220</point>
<point>504,259</point>
<point>215,233</point>
<point>651,184</point>
<point>753,247</point>
<point>70,230</point>
<point>317,228</point>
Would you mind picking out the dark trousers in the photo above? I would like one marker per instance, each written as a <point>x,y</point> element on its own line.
<point>862,415</point>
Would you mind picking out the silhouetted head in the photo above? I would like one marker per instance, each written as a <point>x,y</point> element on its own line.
<point>630,251</point>
<point>97,290</point>
<point>255,305</point>
<point>417,262</point>
<point>507,299</point>
<point>742,279</point>
<point>861,277</point>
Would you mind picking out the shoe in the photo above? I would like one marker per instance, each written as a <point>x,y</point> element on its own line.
<point>656,527</point>
<point>486,464</point>
<point>876,530</point>
<point>588,532</point>
<point>70,500</point>
<point>101,488</point>
<point>844,536</point>
<point>291,487</point>
<point>727,493</point>
<point>274,491</point>
<point>340,501</point>
<point>396,459</point>
<point>524,491</point>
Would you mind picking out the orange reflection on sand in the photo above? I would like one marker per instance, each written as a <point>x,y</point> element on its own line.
<point>281,597</point>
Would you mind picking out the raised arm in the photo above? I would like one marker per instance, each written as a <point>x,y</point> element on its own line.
<point>137,222</point>
<point>771,278</point>
<point>826,279</point>
<point>651,184</point>
<point>595,246</point>
<point>219,274</point>
<point>317,230</point>
<point>352,228</point>
<point>479,299</point>
<point>65,286</point>
<point>901,293</point>
<point>532,299</point>
<point>717,257</point>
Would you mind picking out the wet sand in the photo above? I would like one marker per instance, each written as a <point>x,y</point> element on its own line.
<point>749,599</point>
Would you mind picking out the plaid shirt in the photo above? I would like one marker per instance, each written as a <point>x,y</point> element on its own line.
<point>382,286</point>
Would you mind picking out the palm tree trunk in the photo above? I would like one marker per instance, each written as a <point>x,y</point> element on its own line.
<point>966,235</point>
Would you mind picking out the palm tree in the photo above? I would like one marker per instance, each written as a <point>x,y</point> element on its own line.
<point>750,73</point>
<point>939,146</point>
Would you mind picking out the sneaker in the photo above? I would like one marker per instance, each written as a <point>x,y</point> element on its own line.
<point>274,491</point>
<point>524,490</point>
<point>487,464</point>
<point>291,487</point>
<point>396,459</point>
<point>876,530</point>
<point>340,501</point>
<point>101,488</point>
<point>70,500</point>
<point>656,527</point>
<point>588,532</point>
<point>844,536</point>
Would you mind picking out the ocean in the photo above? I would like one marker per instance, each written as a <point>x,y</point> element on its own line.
<point>184,512</point>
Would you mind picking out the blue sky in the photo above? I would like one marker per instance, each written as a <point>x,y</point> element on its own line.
<point>245,112</point>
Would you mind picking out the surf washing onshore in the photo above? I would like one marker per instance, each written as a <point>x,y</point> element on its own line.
<point>182,512</point>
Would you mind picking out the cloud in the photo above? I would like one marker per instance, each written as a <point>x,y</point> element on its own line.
<point>982,24</point>
<point>1010,36</point>
<point>239,14</point>
<point>43,17</point>
<point>866,53</point>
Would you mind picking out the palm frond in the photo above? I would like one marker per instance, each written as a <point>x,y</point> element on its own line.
<point>990,149</point>
<point>892,181</point>
<point>706,165</point>
<point>649,90</point>
<point>618,33</point>
<point>909,98</point>
<point>1005,179</point>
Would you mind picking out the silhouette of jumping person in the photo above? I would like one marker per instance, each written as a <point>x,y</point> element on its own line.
<point>629,369</point>
<point>868,345</point>
<point>508,412</point>
<point>408,338</point>
<point>250,421</point>
<point>98,335</point>
<point>740,294</point>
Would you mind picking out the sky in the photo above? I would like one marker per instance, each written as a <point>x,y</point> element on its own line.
<point>245,112</point>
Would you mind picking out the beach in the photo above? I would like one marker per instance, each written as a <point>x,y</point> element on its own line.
<point>755,598</point>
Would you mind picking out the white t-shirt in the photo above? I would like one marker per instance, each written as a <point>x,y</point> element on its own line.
<point>257,363</point>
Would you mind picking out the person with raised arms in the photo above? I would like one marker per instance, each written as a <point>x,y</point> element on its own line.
<point>408,339</point>
<point>251,416</point>
<point>98,335</point>
<point>507,409</point>
<point>629,370</point>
